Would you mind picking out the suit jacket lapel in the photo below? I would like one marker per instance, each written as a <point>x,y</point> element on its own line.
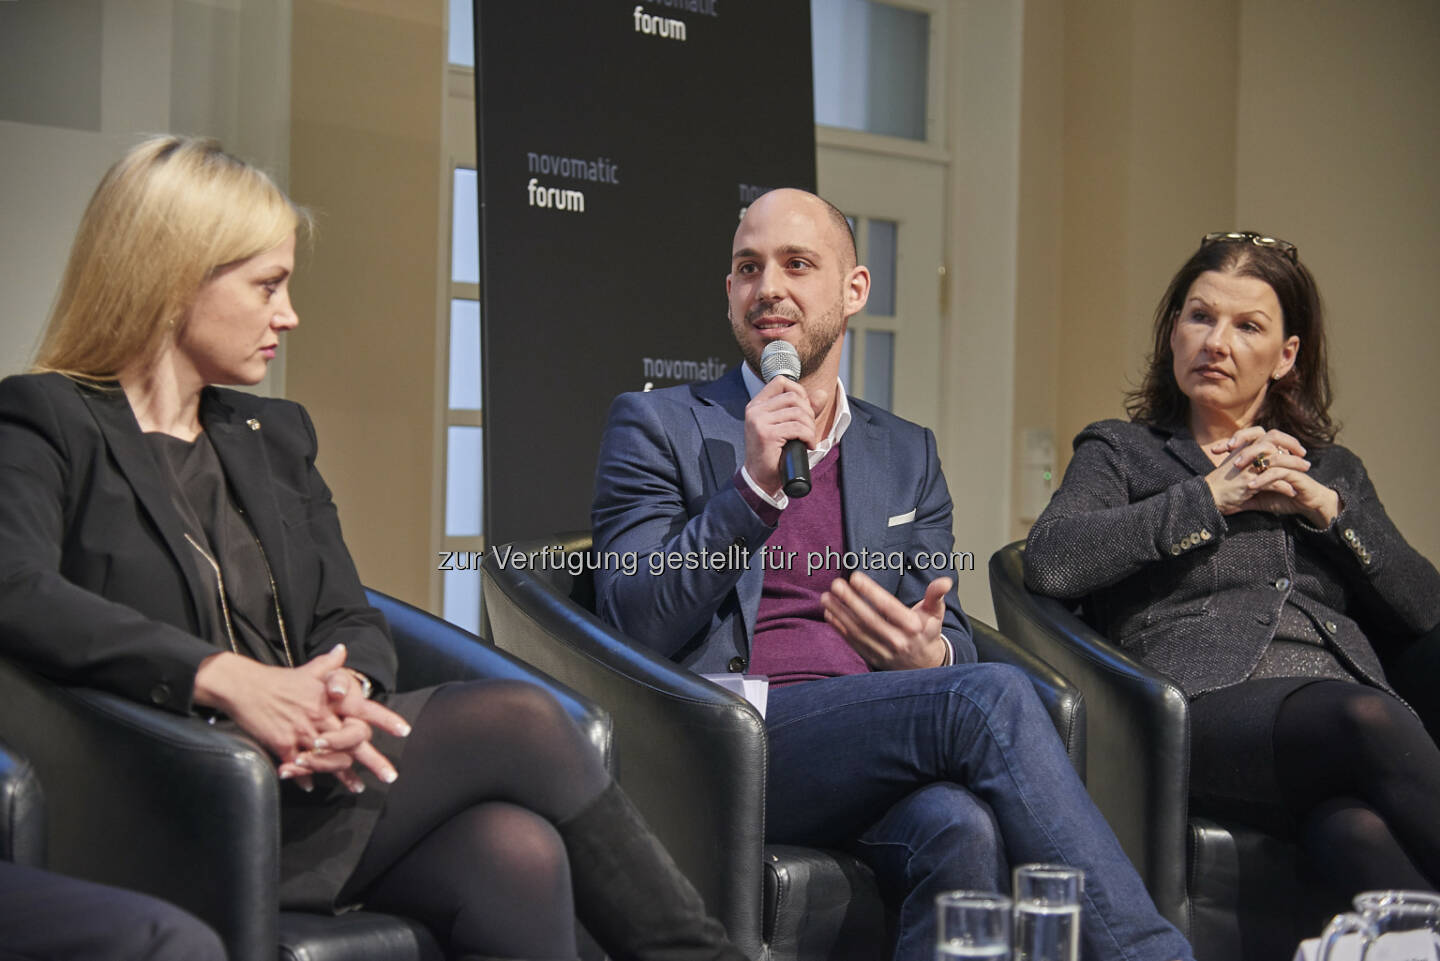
<point>1184,446</point>
<point>239,445</point>
<point>112,412</point>
<point>720,419</point>
<point>864,455</point>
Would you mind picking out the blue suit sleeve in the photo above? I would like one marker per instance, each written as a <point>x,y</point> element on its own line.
<point>642,522</point>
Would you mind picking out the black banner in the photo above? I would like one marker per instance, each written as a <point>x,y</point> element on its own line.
<point>619,142</point>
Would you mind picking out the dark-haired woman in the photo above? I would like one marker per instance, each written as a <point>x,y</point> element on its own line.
<point>172,541</point>
<point>1222,537</point>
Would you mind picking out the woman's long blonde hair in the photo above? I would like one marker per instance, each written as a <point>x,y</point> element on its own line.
<point>164,218</point>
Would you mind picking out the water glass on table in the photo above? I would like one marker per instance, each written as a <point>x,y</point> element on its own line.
<point>1385,926</point>
<point>972,924</point>
<point>1047,912</point>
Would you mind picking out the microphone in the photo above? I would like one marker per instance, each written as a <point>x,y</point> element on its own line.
<point>780,359</point>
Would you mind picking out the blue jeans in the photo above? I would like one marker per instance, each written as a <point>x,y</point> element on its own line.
<point>941,779</point>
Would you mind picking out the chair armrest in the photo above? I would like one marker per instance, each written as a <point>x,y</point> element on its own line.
<point>1061,698</point>
<point>432,651</point>
<point>691,755</point>
<point>153,801</point>
<point>1414,670</point>
<point>1137,730</point>
<point>22,811</point>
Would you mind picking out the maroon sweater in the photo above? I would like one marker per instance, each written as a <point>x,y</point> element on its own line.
<point>792,641</point>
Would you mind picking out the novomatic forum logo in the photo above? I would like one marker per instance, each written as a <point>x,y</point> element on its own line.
<point>600,170</point>
<point>665,27</point>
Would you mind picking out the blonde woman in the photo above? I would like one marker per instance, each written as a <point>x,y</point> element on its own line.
<point>172,541</point>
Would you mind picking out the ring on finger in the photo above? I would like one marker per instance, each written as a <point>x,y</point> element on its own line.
<point>1261,463</point>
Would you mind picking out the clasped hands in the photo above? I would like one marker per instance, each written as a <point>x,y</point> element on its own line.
<point>314,718</point>
<point>1266,470</point>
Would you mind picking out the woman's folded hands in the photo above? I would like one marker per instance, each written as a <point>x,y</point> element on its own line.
<point>314,718</point>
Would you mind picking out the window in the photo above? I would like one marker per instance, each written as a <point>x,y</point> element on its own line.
<point>461,529</point>
<point>462,33</point>
<point>872,66</point>
<point>867,357</point>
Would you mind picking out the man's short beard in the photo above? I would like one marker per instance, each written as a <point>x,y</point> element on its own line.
<point>814,347</point>
<point>811,359</point>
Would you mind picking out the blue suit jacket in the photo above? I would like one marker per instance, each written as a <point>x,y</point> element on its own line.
<point>666,501</point>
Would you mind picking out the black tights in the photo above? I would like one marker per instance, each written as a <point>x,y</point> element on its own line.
<point>1362,777</point>
<point>466,842</point>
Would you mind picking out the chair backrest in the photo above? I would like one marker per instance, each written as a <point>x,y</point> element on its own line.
<point>564,579</point>
<point>1138,729</point>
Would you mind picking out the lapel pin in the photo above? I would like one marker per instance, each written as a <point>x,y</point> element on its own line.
<point>254,424</point>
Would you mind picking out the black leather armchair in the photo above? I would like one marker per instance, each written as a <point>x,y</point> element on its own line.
<point>168,805</point>
<point>1236,891</point>
<point>693,757</point>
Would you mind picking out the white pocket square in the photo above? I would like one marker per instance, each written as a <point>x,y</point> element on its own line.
<point>899,519</point>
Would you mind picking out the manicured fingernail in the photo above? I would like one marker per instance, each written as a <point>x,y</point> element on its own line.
<point>358,787</point>
<point>338,690</point>
<point>306,786</point>
<point>301,761</point>
<point>389,776</point>
<point>286,775</point>
<point>321,744</point>
<point>404,729</point>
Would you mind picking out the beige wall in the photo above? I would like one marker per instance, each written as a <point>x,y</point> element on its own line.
<point>365,149</point>
<point>1145,123</point>
<point>112,72</point>
<point>366,157</point>
<point>1120,177</point>
<point>1039,239</point>
<point>1339,152</point>
<point>978,338</point>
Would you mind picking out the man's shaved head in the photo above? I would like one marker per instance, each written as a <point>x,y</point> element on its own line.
<point>844,235</point>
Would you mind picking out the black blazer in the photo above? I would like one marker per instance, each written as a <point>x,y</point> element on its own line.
<point>96,585</point>
<point>1134,530</point>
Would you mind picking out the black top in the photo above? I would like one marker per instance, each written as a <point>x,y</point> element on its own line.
<point>242,613</point>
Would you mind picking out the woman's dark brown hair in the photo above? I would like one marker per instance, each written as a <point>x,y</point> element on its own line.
<point>1299,402</point>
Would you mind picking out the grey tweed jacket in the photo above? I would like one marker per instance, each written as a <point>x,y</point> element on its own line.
<point>1134,530</point>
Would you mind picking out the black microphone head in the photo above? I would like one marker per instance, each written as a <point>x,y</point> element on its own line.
<point>780,359</point>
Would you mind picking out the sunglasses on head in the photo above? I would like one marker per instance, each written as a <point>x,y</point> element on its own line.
<point>1250,237</point>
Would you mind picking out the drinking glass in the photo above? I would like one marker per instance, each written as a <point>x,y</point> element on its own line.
<point>1047,912</point>
<point>972,924</point>
<point>1389,926</point>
